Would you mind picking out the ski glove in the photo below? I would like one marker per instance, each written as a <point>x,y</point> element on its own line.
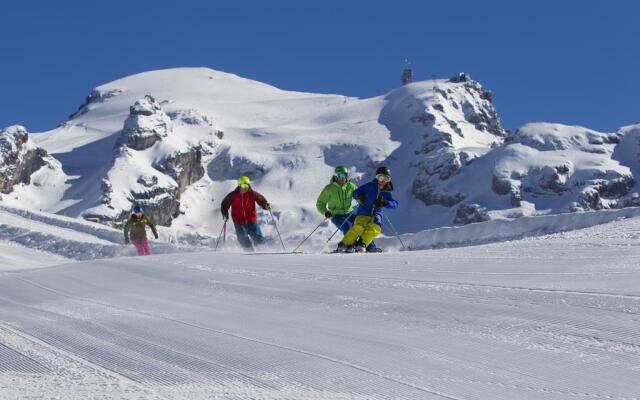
<point>126,241</point>
<point>381,203</point>
<point>156,236</point>
<point>225,217</point>
<point>362,197</point>
<point>328,214</point>
<point>267,206</point>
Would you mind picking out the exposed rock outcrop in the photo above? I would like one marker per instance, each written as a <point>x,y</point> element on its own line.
<point>146,124</point>
<point>504,186</point>
<point>435,196</point>
<point>190,117</point>
<point>470,213</point>
<point>96,96</point>
<point>185,168</point>
<point>19,158</point>
<point>161,203</point>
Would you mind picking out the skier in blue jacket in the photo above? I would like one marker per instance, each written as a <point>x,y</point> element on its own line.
<point>373,198</point>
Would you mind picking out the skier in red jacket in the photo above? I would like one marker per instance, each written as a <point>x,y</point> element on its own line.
<point>242,202</point>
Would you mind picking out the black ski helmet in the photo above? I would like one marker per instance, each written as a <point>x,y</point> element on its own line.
<point>383,171</point>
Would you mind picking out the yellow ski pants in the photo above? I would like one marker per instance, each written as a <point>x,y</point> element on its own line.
<point>363,228</point>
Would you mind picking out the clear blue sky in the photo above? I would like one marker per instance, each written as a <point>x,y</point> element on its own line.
<point>574,62</point>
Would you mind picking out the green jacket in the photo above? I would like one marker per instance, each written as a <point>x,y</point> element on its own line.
<point>336,198</point>
<point>135,228</point>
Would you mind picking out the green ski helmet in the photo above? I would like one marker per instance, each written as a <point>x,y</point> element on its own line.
<point>341,171</point>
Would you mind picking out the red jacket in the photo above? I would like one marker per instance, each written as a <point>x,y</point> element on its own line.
<point>243,206</point>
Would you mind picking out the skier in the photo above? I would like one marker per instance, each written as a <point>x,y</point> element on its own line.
<point>373,197</point>
<point>135,231</point>
<point>242,202</point>
<point>335,202</point>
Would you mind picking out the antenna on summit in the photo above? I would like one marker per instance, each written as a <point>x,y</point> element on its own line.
<point>407,73</point>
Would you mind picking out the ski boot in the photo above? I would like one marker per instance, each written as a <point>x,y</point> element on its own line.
<point>359,248</point>
<point>342,248</point>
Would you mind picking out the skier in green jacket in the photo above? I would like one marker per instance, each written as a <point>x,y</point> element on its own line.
<point>135,231</point>
<point>335,201</point>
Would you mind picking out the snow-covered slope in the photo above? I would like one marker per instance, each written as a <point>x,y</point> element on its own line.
<point>31,239</point>
<point>176,140</point>
<point>553,317</point>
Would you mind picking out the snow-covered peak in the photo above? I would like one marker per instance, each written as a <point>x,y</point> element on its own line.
<point>461,112</point>
<point>442,125</point>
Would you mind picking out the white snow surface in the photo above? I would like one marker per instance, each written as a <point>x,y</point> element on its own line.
<point>33,239</point>
<point>550,317</point>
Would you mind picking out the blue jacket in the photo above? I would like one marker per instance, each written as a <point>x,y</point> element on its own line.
<point>368,207</point>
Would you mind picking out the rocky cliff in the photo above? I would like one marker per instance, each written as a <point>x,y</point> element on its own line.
<point>19,158</point>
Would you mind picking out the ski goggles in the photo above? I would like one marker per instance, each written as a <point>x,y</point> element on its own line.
<point>341,176</point>
<point>383,178</point>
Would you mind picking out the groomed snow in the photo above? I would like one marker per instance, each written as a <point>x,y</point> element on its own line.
<point>35,239</point>
<point>551,317</point>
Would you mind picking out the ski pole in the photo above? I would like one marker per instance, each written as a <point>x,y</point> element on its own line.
<point>340,227</point>
<point>275,224</point>
<point>386,225</point>
<point>312,232</point>
<point>395,231</point>
<point>224,226</point>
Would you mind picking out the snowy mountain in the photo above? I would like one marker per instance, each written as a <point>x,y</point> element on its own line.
<point>175,141</point>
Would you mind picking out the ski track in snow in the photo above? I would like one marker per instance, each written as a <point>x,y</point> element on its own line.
<point>550,317</point>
